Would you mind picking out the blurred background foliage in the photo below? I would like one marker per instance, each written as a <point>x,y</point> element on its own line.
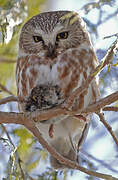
<point>22,157</point>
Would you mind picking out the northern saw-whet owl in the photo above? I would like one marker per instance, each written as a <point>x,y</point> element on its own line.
<point>55,57</point>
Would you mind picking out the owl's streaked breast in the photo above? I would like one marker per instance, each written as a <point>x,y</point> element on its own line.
<point>66,71</point>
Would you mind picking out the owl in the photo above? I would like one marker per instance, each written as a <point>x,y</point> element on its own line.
<point>55,57</point>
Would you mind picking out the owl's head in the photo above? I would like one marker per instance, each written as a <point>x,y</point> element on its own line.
<point>51,33</point>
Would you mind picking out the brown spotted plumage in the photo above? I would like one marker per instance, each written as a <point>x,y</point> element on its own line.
<point>55,52</point>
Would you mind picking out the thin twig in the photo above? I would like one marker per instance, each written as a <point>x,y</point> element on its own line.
<point>3,60</point>
<point>5,130</point>
<point>3,88</point>
<point>8,99</point>
<point>102,119</point>
<point>110,108</point>
<point>21,170</point>
<point>116,34</point>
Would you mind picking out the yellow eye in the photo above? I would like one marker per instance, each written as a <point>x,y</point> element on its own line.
<point>62,35</point>
<point>37,38</point>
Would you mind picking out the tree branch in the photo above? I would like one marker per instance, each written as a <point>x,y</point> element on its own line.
<point>102,103</point>
<point>3,88</point>
<point>38,116</point>
<point>102,119</point>
<point>8,99</point>
<point>63,160</point>
<point>4,60</point>
<point>95,107</point>
<point>110,108</point>
<point>29,124</point>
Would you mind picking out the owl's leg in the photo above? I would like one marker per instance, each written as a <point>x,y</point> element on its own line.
<point>51,130</point>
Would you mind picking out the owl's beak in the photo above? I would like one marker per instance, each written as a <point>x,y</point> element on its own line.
<point>51,50</point>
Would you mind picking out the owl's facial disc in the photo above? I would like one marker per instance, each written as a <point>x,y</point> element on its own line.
<point>51,47</point>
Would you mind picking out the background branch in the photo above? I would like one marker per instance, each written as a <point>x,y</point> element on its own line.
<point>102,119</point>
<point>3,88</point>
<point>4,60</point>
